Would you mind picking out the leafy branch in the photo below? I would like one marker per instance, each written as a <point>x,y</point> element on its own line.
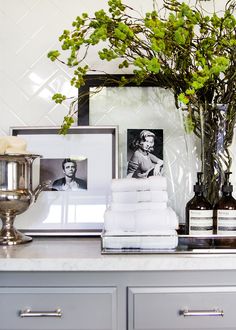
<point>185,50</point>
<point>188,52</point>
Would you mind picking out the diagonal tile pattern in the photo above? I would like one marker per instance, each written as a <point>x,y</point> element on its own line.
<point>28,30</point>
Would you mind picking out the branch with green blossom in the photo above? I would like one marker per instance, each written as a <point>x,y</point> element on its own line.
<point>191,53</point>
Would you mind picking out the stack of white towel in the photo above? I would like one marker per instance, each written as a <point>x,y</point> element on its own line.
<point>138,215</point>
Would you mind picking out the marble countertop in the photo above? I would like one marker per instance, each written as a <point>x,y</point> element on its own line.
<point>84,254</point>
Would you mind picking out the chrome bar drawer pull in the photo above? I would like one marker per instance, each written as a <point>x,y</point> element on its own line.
<point>214,312</point>
<point>29,313</point>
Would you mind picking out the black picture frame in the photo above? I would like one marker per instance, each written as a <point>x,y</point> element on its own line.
<point>103,80</point>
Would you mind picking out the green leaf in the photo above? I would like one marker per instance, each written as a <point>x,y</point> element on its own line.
<point>219,64</point>
<point>190,91</point>
<point>58,98</point>
<point>107,54</point>
<point>181,36</point>
<point>53,55</point>
<point>183,98</point>
<point>67,122</point>
<point>153,65</point>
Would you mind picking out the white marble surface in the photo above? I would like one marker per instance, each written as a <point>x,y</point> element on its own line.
<point>84,254</point>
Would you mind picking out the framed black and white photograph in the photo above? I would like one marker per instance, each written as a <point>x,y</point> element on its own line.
<point>144,153</point>
<point>78,168</point>
<point>64,174</point>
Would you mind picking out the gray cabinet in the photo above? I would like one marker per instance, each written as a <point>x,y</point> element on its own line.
<point>181,308</point>
<point>58,308</point>
<point>121,300</point>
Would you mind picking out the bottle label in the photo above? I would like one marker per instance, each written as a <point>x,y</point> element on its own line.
<point>201,222</point>
<point>226,222</point>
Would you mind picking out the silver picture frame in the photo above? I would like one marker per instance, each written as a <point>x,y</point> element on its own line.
<point>72,213</point>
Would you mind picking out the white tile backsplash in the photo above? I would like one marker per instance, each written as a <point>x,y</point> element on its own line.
<point>9,116</point>
<point>28,30</point>
<point>38,17</point>
<point>14,10</point>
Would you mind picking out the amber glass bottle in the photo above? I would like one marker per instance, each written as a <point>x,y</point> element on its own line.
<point>199,212</point>
<point>225,216</point>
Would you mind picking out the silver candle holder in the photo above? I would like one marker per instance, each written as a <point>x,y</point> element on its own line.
<point>16,193</point>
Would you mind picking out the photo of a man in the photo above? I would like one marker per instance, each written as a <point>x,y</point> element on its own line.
<point>69,181</point>
<point>65,174</point>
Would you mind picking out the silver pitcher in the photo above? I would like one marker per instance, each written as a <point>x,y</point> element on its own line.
<point>17,193</point>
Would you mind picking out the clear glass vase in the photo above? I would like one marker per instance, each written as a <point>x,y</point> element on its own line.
<point>152,108</point>
<point>216,138</point>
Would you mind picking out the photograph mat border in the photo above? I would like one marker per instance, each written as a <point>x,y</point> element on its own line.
<point>82,228</point>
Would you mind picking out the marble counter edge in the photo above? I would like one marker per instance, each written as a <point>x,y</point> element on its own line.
<point>70,254</point>
<point>117,263</point>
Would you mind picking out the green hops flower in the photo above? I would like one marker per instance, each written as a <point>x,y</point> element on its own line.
<point>58,98</point>
<point>53,55</point>
<point>68,121</point>
<point>183,98</point>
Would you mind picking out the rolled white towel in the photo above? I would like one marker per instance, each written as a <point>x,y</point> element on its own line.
<point>139,196</point>
<point>12,144</point>
<point>132,184</point>
<point>138,206</point>
<point>15,150</point>
<point>140,220</point>
<point>3,145</point>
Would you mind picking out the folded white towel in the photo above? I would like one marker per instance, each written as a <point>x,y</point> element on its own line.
<point>139,196</point>
<point>140,220</point>
<point>132,184</point>
<point>139,242</point>
<point>160,232</point>
<point>138,206</point>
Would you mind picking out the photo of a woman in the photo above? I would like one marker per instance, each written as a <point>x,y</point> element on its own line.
<point>144,152</point>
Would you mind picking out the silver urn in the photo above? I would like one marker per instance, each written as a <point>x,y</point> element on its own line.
<point>17,193</point>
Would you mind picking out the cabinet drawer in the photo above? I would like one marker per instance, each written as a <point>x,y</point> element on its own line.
<point>181,308</point>
<point>81,308</point>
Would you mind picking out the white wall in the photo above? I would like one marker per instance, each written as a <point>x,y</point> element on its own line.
<point>28,30</point>
<point>28,79</point>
